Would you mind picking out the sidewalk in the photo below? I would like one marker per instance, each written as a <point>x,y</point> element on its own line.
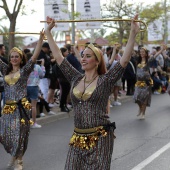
<point>62,115</point>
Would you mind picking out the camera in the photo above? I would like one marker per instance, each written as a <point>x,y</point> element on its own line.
<point>39,62</point>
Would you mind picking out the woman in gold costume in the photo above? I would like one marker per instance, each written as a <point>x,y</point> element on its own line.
<point>143,86</point>
<point>15,121</point>
<point>91,144</point>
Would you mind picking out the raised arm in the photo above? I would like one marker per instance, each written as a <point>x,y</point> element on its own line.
<point>163,51</point>
<point>113,56</point>
<point>53,46</point>
<point>130,44</point>
<point>38,46</point>
<point>77,53</point>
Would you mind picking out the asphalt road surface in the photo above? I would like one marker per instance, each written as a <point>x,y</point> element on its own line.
<point>140,144</point>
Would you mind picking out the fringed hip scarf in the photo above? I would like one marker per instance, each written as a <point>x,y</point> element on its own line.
<point>87,138</point>
<point>23,104</point>
<point>144,83</point>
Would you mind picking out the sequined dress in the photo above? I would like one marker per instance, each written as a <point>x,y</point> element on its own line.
<point>143,86</point>
<point>13,134</point>
<point>91,113</point>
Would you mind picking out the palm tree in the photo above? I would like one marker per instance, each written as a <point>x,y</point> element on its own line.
<point>18,39</point>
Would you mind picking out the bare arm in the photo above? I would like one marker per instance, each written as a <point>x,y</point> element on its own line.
<point>163,49</point>
<point>77,53</point>
<point>159,52</point>
<point>130,44</point>
<point>113,56</point>
<point>38,47</point>
<point>53,46</point>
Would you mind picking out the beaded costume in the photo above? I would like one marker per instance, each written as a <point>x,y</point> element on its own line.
<point>143,86</point>
<point>14,123</point>
<point>91,144</point>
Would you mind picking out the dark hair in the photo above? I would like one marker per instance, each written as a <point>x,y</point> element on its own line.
<point>28,55</point>
<point>1,45</point>
<point>153,73</point>
<point>24,60</point>
<point>158,48</point>
<point>46,45</point>
<point>63,49</point>
<point>147,55</point>
<point>27,51</point>
<point>68,46</point>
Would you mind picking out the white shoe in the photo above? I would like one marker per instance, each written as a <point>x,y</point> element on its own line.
<point>69,105</point>
<point>51,113</point>
<point>42,115</point>
<point>35,125</point>
<point>155,92</point>
<point>51,105</point>
<point>116,103</point>
<point>111,105</point>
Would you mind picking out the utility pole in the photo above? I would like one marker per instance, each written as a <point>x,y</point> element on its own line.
<point>166,24</point>
<point>73,23</point>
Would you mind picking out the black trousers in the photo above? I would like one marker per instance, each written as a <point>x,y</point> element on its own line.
<point>64,91</point>
<point>42,104</point>
<point>130,86</point>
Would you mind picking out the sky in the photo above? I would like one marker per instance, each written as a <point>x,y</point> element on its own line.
<point>31,22</point>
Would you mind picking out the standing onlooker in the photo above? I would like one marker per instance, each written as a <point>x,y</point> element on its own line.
<point>72,59</point>
<point>130,76</point>
<point>119,82</point>
<point>63,83</point>
<point>43,103</point>
<point>159,59</point>
<point>32,89</point>
<point>157,83</point>
<point>45,82</point>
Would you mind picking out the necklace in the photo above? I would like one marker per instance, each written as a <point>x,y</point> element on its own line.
<point>85,87</point>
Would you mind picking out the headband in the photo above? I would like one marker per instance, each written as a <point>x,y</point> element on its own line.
<point>144,48</point>
<point>15,49</point>
<point>96,51</point>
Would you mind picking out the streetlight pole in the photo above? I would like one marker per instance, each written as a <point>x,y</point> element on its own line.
<point>72,24</point>
<point>166,24</point>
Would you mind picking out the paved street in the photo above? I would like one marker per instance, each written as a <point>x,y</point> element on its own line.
<point>139,143</point>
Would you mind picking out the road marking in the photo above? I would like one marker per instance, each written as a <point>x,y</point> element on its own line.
<point>152,157</point>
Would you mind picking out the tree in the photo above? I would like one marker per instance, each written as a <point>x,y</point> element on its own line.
<point>118,9</point>
<point>149,14</point>
<point>18,39</point>
<point>12,16</point>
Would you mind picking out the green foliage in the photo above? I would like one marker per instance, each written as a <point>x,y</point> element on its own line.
<point>151,12</point>
<point>18,39</point>
<point>120,9</point>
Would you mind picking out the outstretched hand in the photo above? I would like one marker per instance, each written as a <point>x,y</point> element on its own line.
<point>42,34</point>
<point>135,25</point>
<point>51,23</point>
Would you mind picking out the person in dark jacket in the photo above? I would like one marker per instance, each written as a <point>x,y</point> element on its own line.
<point>130,76</point>
<point>63,83</point>
<point>157,83</point>
<point>45,82</point>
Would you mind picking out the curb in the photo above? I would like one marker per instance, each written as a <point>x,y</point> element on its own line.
<point>63,115</point>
